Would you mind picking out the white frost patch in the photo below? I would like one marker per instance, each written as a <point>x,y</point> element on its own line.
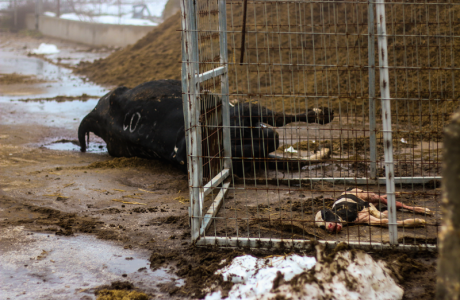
<point>46,49</point>
<point>347,276</point>
<point>290,150</point>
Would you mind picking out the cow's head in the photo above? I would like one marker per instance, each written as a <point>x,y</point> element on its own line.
<point>328,220</point>
<point>102,120</point>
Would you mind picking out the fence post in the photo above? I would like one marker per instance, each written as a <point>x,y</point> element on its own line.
<point>37,13</point>
<point>371,58</point>
<point>224,84</point>
<point>448,285</point>
<point>386,119</point>
<point>192,112</point>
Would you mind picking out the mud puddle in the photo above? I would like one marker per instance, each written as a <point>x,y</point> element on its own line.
<point>51,80</point>
<point>73,145</point>
<point>42,266</point>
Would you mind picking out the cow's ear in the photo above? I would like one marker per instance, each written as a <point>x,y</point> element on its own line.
<point>115,97</point>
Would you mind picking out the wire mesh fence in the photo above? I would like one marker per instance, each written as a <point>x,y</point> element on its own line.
<point>301,94</point>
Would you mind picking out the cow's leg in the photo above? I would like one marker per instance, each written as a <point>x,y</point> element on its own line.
<point>366,218</point>
<point>374,198</point>
<point>376,213</point>
<point>411,223</point>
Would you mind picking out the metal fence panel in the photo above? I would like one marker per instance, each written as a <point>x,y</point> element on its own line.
<point>308,121</point>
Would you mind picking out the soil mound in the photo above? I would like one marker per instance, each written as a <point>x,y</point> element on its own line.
<point>294,71</point>
<point>155,56</point>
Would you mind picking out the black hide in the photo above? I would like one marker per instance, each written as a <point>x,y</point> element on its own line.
<point>148,121</point>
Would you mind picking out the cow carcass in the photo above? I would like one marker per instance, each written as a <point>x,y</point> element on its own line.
<point>148,121</point>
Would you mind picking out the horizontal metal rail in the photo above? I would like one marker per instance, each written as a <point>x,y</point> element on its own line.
<point>265,243</point>
<point>306,33</point>
<point>218,179</point>
<point>214,208</point>
<point>341,2</point>
<point>338,180</point>
<point>212,73</point>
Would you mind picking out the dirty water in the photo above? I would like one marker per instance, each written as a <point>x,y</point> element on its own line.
<point>59,81</point>
<point>46,103</point>
<point>46,266</point>
<point>66,145</point>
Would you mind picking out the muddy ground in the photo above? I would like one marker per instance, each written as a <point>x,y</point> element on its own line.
<point>136,204</point>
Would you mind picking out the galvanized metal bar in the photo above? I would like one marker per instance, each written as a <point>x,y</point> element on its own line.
<point>347,180</point>
<point>214,208</point>
<point>266,243</point>
<point>192,104</point>
<point>224,84</point>
<point>184,107</point>
<point>386,119</point>
<point>212,73</point>
<point>218,179</point>
<point>371,62</point>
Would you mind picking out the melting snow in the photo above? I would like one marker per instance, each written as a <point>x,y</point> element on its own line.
<point>348,276</point>
<point>46,49</point>
<point>290,150</point>
<point>108,19</point>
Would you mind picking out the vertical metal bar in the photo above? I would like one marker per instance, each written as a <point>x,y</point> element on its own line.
<point>386,119</point>
<point>371,58</point>
<point>15,14</point>
<point>224,84</point>
<point>192,105</point>
<point>37,13</point>
<point>184,108</point>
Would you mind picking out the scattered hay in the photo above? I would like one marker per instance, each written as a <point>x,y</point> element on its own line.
<point>121,295</point>
<point>122,162</point>
<point>19,79</point>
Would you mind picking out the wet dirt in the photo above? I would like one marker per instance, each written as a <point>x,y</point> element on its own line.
<point>37,265</point>
<point>49,80</point>
<point>18,78</point>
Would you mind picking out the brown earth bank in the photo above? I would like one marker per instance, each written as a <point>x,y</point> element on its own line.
<point>414,73</point>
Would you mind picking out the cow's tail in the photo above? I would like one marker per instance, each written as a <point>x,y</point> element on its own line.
<point>83,130</point>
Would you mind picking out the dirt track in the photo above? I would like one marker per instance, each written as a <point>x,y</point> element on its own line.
<point>68,194</point>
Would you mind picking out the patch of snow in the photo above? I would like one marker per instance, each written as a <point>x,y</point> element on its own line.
<point>46,49</point>
<point>125,10</point>
<point>4,5</point>
<point>108,19</point>
<point>348,276</point>
<point>49,14</point>
<point>255,276</point>
<point>403,140</point>
<point>290,150</point>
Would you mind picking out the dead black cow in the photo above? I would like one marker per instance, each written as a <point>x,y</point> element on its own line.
<point>148,121</point>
